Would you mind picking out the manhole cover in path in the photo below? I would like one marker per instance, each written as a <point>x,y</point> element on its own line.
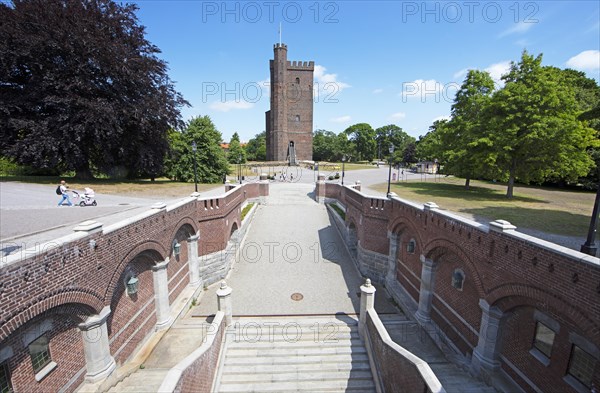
<point>297,296</point>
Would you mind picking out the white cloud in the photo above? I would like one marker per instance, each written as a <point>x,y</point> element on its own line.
<point>461,74</point>
<point>588,60</point>
<point>377,91</point>
<point>226,106</point>
<point>497,70</point>
<point>397,116</point>
<point>324,79</point>
<point>341,119</point>
<point>518,28</point>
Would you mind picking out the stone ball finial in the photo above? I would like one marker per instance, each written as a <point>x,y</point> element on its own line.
<point>368,282</point>
<point>223,285</point>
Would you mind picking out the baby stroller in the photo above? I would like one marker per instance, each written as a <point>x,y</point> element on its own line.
<point>87,199</point>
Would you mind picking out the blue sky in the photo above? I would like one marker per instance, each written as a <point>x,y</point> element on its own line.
<point>378,62</point>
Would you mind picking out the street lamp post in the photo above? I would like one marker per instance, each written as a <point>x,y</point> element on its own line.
<point>240,167</point>
<point>195,167</point>
<point>390,172</point>
<point>589,247</point>
<point>343,168</point>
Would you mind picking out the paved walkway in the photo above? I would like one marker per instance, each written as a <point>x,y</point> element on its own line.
<point>291,248</point>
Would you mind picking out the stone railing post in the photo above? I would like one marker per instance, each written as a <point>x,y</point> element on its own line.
<point>367,302</point>
<point>423,314</point>
<point>161,294</point>
<point>98,360</point>
<point>224,302</point>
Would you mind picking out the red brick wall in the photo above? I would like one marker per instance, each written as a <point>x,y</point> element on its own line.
<point>198,378</point>
<point>507,271</point>
<point>75,272</point>
<point>66,348</point>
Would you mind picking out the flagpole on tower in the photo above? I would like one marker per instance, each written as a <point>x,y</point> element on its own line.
<point>279,33</point>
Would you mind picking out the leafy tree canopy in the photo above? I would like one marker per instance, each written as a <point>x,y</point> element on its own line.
<point>236,154</point>
<point>81,88</point>
<point>256,149</point>
<point>210,158</point>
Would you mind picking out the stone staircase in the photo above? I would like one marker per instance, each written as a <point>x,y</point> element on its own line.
<point>281,354</point>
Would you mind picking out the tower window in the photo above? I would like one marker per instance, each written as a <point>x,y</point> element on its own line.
<point>581,366</point>
<point>297,118</point>
<point>298,81</point>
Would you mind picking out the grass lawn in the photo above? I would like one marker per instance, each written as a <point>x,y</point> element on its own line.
<point>544,209</point>
<point>140,188</point>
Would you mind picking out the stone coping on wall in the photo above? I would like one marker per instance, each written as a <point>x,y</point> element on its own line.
<point>89,227</point>
<point>500,226</point>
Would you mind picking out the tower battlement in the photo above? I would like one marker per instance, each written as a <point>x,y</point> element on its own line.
<point>301,65</point>
<point>282,46</point>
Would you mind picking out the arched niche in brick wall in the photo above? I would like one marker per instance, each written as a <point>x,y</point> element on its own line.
<point>132,314</point>
<point>440,250</point>
<point>233,230</point>
<point>406,232</point>
<point>509,296</point>
<point>59,327</point>
<point>67,296</point>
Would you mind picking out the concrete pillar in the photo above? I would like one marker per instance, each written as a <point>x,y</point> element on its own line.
<point>486,355</point>
<point>367,302</point>
<point>392,252</point>
<point>161,294</point>
<point>98,360</point>
<point>423,314</point>
<point>194,261</point>
<point>224,302</point>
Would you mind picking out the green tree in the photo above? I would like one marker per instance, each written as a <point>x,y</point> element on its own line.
<point>256,149</point>
<point>409,154</point>
<point>429,146</point>
<point>362,137</point>
<point>210,158</point>
<point>392,135</point>
<point>82,89</point>
<point>466,141</point>
<point>536,130</point>
<point>236,154</point>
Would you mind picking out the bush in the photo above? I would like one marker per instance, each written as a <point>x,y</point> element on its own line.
<point>330,177</point>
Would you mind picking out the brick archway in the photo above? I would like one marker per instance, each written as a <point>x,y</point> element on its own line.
<point>57,299</point>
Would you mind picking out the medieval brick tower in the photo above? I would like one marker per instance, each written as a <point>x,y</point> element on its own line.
<point>290,120</point>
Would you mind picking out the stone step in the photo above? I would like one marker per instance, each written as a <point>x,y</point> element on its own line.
<point>300,386</point>
<point>304,368</point>
<point>284,351</point>
<point>141,381</point>
<point>281,343</point>
<point>300,376</point>
<point>290,360</point>
<point>242,338</point>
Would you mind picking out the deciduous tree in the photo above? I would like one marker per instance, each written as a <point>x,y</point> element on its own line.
<point>81,88</point>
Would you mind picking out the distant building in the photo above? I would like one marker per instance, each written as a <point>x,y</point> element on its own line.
<point>428,167</point>
<point>289,123</point>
